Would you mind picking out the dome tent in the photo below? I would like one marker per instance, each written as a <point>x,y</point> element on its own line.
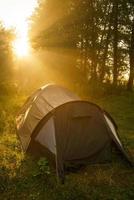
<point>68,128</point>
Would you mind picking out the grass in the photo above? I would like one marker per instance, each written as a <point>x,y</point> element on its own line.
<point>21,176</point>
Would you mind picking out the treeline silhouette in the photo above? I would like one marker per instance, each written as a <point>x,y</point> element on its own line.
<point>100,31</point>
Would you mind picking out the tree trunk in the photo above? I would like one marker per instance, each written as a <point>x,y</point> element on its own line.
<point>131,57</point>
<point>103,64</point>
<point>115,43</point>
<point>93,48</point>
<point>106,46</point>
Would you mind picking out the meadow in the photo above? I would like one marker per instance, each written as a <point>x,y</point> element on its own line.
<point>26,178</point>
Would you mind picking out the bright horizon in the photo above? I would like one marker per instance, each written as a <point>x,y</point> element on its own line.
<point>14,14</point>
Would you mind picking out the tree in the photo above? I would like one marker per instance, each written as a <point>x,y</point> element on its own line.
<point>130,42</point>
<point>115,41</point>
<point>131,57</point>
<point>6,59</point>
<point>99,30</point>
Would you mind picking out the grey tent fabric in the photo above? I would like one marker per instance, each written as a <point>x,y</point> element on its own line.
<point>39,105</point>
<point>71,129</point>
<point>111,126</point>
<point>46,136</point>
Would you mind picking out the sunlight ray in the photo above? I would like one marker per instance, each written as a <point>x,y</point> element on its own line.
<point>14,14</point>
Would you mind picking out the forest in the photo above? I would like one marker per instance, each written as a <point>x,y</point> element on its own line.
<point>86,46</point>
<point>96,39</point>
<point>100,34</point>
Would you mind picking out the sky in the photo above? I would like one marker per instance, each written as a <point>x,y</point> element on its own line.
<point>14,14</point>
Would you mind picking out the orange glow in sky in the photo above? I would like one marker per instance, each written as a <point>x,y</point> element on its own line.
<point>14,13</point>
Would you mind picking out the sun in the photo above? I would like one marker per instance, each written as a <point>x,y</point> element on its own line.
<point>14,14</point>
<point>21,47</point>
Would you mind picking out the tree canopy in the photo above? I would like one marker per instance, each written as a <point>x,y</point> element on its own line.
<point>101,30</point>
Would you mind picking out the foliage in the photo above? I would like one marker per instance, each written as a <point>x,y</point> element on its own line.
<point>43,168</point>
<point>6,58</point>
<point>100,31</point>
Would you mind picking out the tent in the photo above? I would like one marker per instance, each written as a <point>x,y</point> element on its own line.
<point>55,120</point>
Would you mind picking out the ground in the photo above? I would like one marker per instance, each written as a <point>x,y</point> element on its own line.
<point>26,178</point>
